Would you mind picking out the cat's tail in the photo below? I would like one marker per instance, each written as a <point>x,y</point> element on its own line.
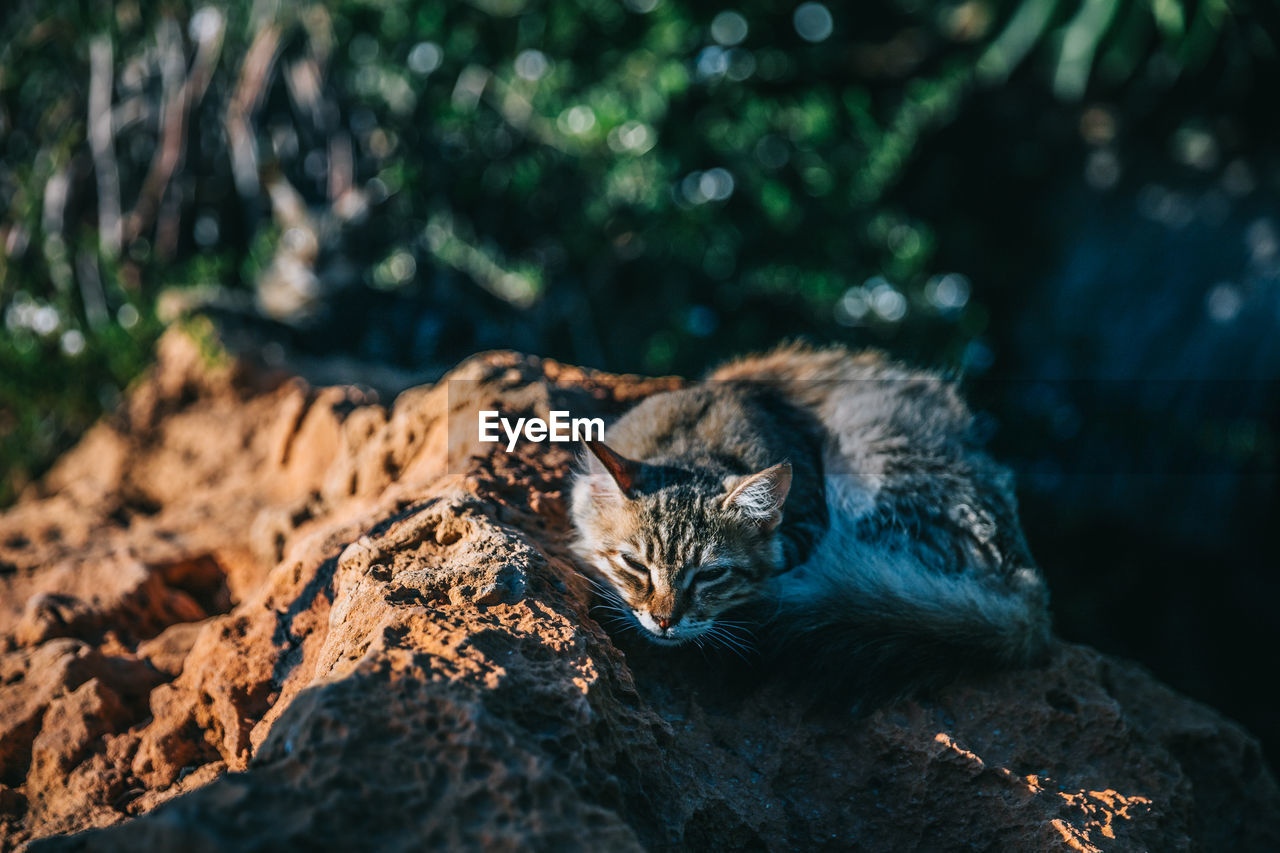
<point>872,621</point>
<point>804,371</point>
<point>822,378</point>
<point>797,360</point>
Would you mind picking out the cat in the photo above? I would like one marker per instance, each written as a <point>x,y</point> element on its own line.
<point>838,499</point>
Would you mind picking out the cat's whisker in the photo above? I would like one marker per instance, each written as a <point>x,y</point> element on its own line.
<point>731,627</point>
<point>611,611</point>
<point>600,587</point>
<point>726,636</point>
<point>620,622</point>
<point>732,648</point>
<point>739,653</point>
<point>609,595</point>
<point>738,646</point>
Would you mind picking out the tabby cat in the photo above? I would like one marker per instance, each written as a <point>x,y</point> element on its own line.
<point>838,499</point>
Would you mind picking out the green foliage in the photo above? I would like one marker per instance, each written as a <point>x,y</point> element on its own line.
<point>59,372</point>
<point>711,175</point>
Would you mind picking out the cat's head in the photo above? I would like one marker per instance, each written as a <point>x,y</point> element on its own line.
<point>678,547</point>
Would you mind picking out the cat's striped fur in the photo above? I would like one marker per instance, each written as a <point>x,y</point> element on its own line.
<point>841,494</point>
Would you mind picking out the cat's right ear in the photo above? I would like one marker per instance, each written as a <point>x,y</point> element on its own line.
<point>761,496</point>
<point>611,472</point>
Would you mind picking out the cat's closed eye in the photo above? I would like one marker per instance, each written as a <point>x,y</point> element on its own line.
<point>711,573</point>
<point>633,564</point>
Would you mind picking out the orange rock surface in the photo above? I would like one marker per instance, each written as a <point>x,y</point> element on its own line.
<point>247,614</point>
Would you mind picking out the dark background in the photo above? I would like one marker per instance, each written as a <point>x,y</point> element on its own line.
<point>1070,205</point>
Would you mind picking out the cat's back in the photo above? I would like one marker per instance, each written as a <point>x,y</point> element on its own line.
<point>736,426</point>
<point>918,476</point>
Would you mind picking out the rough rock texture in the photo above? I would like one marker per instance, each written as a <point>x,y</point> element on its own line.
<point>246,614</point>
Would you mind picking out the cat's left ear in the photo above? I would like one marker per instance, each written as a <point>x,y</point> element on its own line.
<point>761,496</point>
<point>609,469</point>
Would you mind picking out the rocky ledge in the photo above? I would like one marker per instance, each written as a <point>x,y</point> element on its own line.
<point>248,614</point>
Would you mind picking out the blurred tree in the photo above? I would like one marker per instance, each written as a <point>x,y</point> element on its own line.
<point>640,184</point>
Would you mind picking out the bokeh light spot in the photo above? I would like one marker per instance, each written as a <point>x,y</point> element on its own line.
<point>715,184</point>
<point>633,136</point>
<point>887,301</point>
<point>127,316</point>
<point>949,292</point>
<point>577,119</point>
<point>729,28</point>
<point>72,342</point>
<point>852,308</point>
<point>813,22</point>
<point>206,231</point>
<point>772,152</point>
<point>532,65</point>
<point>205,25</point>
<point>1223,302</point>
<point>425,57</point>
<point>713,61</point>
<point>1102,169</point>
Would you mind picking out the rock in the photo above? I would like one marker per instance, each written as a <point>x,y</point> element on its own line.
<point>124,596</point>
<point>34,679</point>
<point>352,627</point>
<point>168,651</point>
<point>65,758</point>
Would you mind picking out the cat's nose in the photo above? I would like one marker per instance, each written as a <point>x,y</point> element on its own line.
<point>663,623</point>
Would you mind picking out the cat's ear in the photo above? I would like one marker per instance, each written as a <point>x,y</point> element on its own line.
<point>607,466</point>
<point>760,496</point>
